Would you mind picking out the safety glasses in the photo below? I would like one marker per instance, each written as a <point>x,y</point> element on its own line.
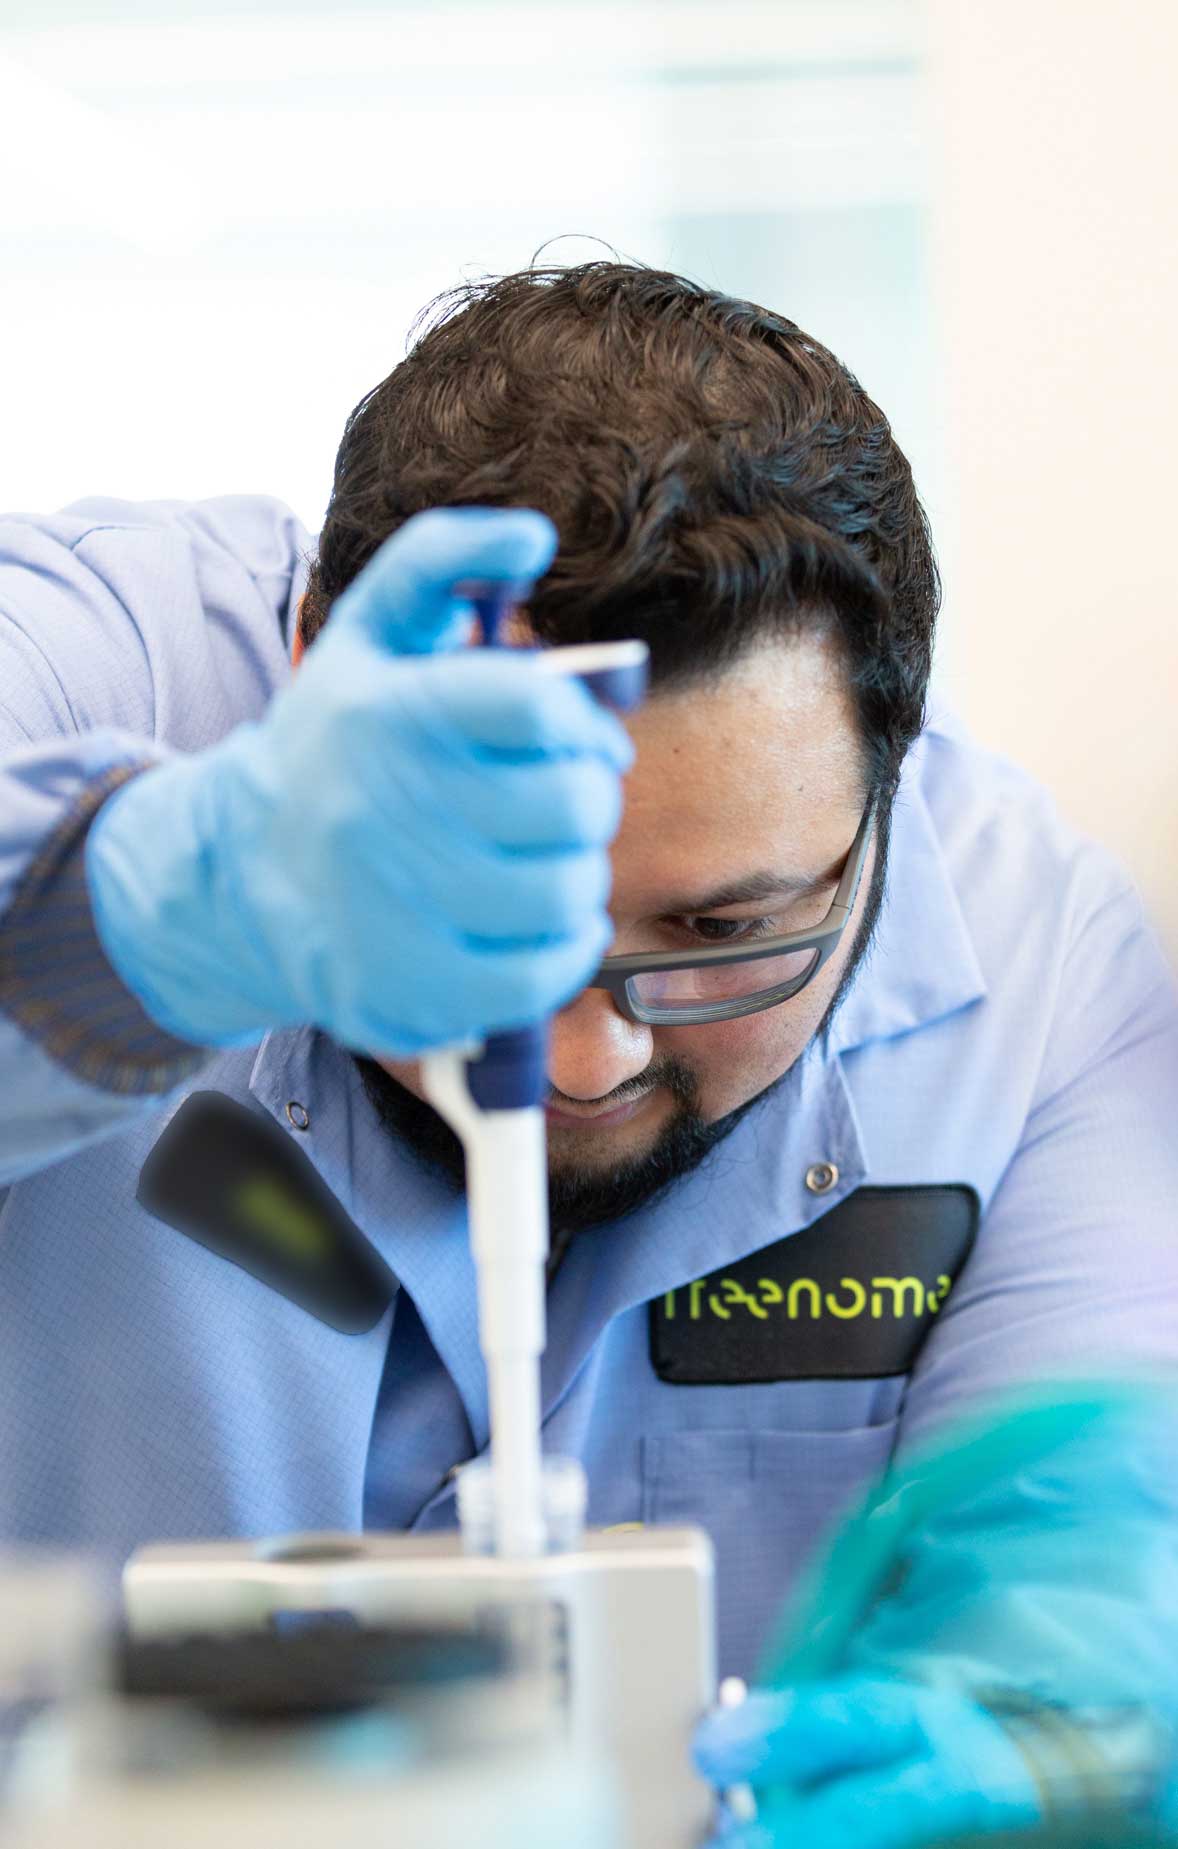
<point>685,988</point>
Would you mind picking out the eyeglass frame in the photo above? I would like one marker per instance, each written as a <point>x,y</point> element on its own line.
<point>614,972</point>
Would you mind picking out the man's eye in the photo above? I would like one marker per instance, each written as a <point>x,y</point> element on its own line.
<point>730,930</point>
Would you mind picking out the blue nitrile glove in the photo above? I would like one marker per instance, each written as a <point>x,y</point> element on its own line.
<point>858,1763</point>
<point>407,850</point>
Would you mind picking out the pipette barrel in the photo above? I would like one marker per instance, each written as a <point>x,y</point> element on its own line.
<point>507,1169</point>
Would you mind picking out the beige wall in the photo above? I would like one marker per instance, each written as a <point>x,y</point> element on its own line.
<point>1054,148</point>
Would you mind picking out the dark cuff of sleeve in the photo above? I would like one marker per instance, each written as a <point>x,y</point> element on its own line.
<point>1088,1760</point>
<point>56,982</point>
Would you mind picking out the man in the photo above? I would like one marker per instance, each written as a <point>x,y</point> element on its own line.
<point>807,1205</point>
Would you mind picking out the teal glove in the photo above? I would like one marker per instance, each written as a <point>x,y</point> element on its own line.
<point>409,849</point>
<point>995,1630</point>
<point>855,1763</point>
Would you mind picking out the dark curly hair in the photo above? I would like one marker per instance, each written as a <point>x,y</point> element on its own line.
<point>713,473</point>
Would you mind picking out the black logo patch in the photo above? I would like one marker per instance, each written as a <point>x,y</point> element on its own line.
<point>851,1298</point>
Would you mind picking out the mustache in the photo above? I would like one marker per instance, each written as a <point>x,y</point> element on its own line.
<point>670,1073</point>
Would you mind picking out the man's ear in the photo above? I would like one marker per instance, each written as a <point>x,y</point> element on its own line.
<point>297,647</point>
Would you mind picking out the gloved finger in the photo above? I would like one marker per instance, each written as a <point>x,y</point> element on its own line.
<point>498,701</point>
<point>556,803</point>
<point>405,599</point>
<point>808,1733</point>
<point>436,869</point>
<point>491,896</point>
<point>532,982</point>
<point>747,1836</point>
<point>486,990</point>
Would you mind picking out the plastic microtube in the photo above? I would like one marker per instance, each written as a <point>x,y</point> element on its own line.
<point>564,1497</point>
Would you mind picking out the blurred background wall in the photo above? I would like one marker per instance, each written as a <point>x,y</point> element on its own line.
<point>1053,157</point>
<point>218,227</point>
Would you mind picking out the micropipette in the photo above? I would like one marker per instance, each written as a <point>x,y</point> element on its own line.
<point>492,1096</point>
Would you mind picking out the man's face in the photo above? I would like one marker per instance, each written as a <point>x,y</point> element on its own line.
<point>756,772</point>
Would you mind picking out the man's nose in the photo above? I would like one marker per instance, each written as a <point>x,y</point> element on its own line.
<point>594,1049</point>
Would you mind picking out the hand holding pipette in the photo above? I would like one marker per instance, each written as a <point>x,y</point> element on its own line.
<point>406,849</point>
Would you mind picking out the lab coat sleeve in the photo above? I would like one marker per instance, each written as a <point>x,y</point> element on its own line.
<point>1064,1579</point>
<point>78,1056</point>
<point>1075,1268</point>
<point>84,691</point>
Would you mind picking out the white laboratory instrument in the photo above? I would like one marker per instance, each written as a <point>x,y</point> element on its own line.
<point>621,1628</point>
<point>312,1737</point>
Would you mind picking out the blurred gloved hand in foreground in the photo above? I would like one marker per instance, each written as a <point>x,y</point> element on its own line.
<point>408,849</point>
<point>859,1763</point>
<point>992,1641</point>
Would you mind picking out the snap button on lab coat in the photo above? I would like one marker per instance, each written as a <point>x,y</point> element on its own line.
<point>298,1115</point>
<point>821,1177</point>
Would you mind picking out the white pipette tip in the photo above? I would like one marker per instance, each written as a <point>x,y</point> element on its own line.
<point>740,1799</point>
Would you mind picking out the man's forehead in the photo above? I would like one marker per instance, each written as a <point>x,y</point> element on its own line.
<point>752,773</point>
<point>748,777</point>
<point>777,724</point>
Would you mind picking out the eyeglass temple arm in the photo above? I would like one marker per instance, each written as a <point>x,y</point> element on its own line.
<point>848,885</point>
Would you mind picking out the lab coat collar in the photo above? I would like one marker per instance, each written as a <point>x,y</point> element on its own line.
<point>413,1219</point>
<point>922,964</point>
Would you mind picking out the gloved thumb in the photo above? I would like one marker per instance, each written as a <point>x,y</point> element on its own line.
<point>815,1731</point>
<point>405,598</point>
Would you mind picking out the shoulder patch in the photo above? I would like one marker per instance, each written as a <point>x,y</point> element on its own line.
<point>227,1176</point>
<point>850,1298</point>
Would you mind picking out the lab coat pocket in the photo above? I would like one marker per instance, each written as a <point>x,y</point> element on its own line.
<point>765,1498</point>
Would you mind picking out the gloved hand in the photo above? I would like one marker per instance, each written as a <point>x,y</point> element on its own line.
<point>859,1763</point>
<point>407,850</point>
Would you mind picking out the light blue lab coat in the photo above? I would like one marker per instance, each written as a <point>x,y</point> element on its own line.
<point>1012,1029</point>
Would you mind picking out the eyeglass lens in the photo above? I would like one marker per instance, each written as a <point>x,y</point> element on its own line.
<point>703,985</point>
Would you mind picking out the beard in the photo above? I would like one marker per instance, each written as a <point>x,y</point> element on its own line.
<point>580,1196</point>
